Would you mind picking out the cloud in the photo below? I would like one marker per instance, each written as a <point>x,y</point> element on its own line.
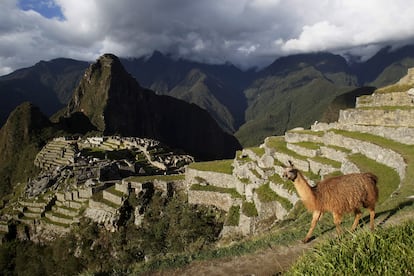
<point>245,32</point>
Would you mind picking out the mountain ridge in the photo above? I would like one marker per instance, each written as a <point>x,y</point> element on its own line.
<point>223,90</point>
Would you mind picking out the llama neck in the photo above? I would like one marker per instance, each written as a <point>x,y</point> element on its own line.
<point>305,192</point>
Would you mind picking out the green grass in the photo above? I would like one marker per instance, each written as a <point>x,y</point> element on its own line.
<point>386,108</point>
<point>287,184</point>
<point>308,131</point>
<point>48,221</point>
<point>266,194</point>
<point>309,145</point>
<point>60,215</point>
<point>279,144</point>
<point>383,252</point>
<point>114,191</point>
<point>210,188</point>
<point>219,166</point>
<point>337,148</point>
<point>249,209</point>
<point>233,217</point>
<point>327,161</point>
<point>394,88</point>
<point>142,179</point>
<point>244,180</point>
<point>257,150</point>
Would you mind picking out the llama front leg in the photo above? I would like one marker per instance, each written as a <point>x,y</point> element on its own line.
<point>358,215</point>
<point>316,215</point>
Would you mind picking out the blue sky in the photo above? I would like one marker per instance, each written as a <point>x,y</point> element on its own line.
<point>244,32</point>
<point>46,8</point>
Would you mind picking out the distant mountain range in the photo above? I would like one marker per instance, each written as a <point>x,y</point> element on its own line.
<point>292,91</point>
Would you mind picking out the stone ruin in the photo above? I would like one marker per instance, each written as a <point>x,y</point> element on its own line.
<point>62,161</point>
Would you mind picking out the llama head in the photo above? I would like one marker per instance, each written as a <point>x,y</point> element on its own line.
<point>290,172</point>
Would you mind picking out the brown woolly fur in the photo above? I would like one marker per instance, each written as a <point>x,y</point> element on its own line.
<point>338,195</point>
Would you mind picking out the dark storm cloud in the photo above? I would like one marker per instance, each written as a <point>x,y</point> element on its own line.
<point>245,32</point>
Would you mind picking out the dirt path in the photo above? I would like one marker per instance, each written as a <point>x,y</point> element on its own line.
<point>265,262</point>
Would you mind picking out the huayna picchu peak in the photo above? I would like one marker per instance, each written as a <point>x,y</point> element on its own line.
<point>115,103</point>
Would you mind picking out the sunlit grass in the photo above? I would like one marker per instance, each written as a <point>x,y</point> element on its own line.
<point>219,166</point>
<point>384,252</point>
<point>211,188</point>
<point>394,88</point>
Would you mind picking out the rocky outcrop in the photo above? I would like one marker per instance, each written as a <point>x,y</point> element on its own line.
<point>116,104</point>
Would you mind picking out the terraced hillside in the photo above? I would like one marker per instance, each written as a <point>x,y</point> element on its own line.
<point>377,135</point>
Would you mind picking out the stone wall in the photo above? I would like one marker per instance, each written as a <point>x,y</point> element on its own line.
<point>246,227</point>
<point>402,135</point>
<point>213,178</point>
<point>377,153</point>
<point>221,200</point>
<point>272,209</point>
<point>379,117</point>
<point>102,214</point>
<point>385,99</point>
<point>114,198</point>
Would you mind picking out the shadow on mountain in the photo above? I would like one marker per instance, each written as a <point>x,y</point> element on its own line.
<point>76,123</point>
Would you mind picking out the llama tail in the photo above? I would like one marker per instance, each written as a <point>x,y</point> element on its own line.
<point>373,179</point>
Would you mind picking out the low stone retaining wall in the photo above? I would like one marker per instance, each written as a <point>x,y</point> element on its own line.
<point>116,199</point>
<point>221,200</point>
<point>269,209</point>
<point>281,191</point>
<point>213,178</point>
<point>385,99</point>
<point>65,211</point>
<point>380,117</point>
<point>54,218</point>
<point>377,153</point>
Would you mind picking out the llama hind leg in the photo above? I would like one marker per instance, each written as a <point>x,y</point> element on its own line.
<point>358,215</point>
<point>371,218</point>
<point>315,217</point>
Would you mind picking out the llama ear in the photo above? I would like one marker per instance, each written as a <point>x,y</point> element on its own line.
<point>290,163</point>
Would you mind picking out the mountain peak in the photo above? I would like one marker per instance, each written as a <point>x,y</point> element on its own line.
<point>115,103</point>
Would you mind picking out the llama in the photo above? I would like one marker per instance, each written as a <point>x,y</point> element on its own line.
<point>338,195</point>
